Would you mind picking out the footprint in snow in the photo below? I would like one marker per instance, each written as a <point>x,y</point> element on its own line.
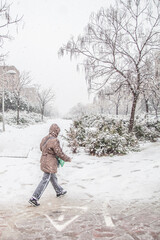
<point>137,170</point>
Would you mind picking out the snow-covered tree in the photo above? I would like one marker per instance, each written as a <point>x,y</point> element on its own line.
<point>23,81</point>
<point>116,44</point>
<point>5,22</point>
<point>155,99</point>
<point>44,97</point>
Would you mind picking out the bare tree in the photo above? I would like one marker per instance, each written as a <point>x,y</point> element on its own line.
<point>44,97</point>
<point>155,98</point>
<point>117,101</point>
<point>116,45</point>
<point>100,99</point>
<point>22,82</point>
<point>150,97</point>
<point>5,22</point>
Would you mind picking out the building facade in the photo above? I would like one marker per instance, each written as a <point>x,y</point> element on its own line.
<point>9,76</point>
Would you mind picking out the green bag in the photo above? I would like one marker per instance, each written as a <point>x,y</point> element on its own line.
<point>60,162</point>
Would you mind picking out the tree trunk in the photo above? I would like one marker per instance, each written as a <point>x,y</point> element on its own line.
<point>3,117</point>
<point>127,109</point>
<point>28,107</point>
<point>155,107</point>
<point>18,104</point>
<point>147,106</point>
<point>117,109</point>
<point>147,109</point>
<point>42,113</point>
<point>156,112</point>
<point>131,121</point>
<point>101,109</point>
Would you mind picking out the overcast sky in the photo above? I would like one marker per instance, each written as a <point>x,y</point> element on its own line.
<point>47,24</point>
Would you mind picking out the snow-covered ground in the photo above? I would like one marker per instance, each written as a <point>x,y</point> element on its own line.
<point>129,177</point>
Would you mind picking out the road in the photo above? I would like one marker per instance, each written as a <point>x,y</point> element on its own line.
<point>107,198</point>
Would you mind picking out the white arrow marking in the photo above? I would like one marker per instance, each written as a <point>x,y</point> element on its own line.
<point>108,221</point>
<point>107,217</point>
<point>62,226</point>
<point>61,218</point>
<point>83,208</point>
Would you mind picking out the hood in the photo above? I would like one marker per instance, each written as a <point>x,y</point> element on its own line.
<point>54,130</point>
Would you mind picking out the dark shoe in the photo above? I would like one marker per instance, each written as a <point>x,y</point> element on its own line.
<point>33,202</point>
<point>61,193</point>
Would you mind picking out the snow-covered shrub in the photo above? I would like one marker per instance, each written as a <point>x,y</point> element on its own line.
<point>157,126</point>
<point>80,133</point>
<point>110,138</point>
<point>71,137</point>
<point>101,144</point>
<point>147,132</point>
<point>101,136</point>
<point>25,118</point>
<point>11,102</point>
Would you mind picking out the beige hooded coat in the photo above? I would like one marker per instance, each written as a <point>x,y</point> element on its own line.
<point>50,150</point>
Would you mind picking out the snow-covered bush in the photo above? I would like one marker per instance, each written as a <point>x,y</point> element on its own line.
<point>157,126</point>
<point>25,118</point>
<point>71,137</point>
<point>11,102</point>
<point>102,136</point>
<point>100,144</point>
<point>144,132</point>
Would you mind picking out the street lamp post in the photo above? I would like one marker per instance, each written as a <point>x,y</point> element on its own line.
<point>11,72</point>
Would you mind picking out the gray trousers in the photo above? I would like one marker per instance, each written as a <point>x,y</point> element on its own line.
<point>47,177</point>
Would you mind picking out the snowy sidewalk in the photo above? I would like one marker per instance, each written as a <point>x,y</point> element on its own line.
<point>108,197</point>
<point>17,142</point>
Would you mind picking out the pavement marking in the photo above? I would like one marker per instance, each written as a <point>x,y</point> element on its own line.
<point>83,208</point>
<point>61,218</point>
<point>108,221</point>
<point>61,227</point>
<point>107,216</point>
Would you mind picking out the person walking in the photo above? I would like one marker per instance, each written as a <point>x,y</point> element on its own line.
<point>51,150</point>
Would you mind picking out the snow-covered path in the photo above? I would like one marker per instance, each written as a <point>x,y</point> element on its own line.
<point>133,176</point>
<point>19,159</point>
<point>100,190</point>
